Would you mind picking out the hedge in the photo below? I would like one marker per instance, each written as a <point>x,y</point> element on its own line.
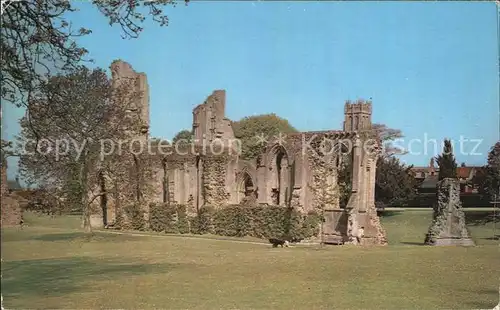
<point>131,218</point>
<point>168,218</point>
<point>264,221</point>
<point>202,222</point>
<point>261,221</point>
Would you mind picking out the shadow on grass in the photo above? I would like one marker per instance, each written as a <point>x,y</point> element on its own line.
<point>389,213</point>
<point>481,304</point>
<point>413,243</point>
<point>85,237</point>
<point>59,276</point>
<point>477,218</point>
<point>496,237</point>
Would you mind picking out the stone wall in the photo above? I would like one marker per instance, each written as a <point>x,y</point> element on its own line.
<point>209,120</point>
<point>214,180</point>
<point>122,72</point>
<point>289,172</point>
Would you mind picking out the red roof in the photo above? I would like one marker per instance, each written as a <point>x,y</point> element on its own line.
<point>464,172</point>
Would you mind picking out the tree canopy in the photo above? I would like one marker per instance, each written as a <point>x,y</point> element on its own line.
<point>253,131</point>
<point>61,143</point>
<point>489,177</point>
<point>387,136</point>
<point>38,39</point>
<point>446,162</point>
<point>184,136</point>
<point>395,185</point>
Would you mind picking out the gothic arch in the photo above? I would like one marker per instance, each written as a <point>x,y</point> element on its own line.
<point>246,186</point>
<point>342,151</point>
<point>279,175</point>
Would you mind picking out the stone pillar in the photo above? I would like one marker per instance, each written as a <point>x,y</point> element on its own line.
<point>448,224</point>
<point>262,190</point>
<point>200,201</point>
<point>363,185</point>
<point>373,175</point>
<point>356,165</point>
<point>284,182</point>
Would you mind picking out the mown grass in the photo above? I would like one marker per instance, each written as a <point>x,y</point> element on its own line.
<point>53,265</point>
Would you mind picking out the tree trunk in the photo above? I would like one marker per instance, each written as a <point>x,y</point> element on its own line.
<point>321,226</point>
<point>87,227</point>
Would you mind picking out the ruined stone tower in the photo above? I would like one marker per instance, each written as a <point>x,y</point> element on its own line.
<point>122,72</point>
<point>358,115</point>
<point>209,120</point>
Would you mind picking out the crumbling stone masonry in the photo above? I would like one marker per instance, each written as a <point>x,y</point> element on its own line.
<point>290,171</point>
<point>448,224</point>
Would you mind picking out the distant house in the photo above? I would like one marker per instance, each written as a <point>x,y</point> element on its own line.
<point>428,185</point>
<point>427,177</point>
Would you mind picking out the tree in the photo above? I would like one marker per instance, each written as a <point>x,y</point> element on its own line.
<point>387,136</point>
<point>394,185</point>
<point>446,162</point>
<point>38,40</point>
<point>254,131</point>
<point>488,178</point>
<point>61,140</point>
<point>184,136</point>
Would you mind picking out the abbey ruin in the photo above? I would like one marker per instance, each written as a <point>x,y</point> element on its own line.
<point>295,170</point>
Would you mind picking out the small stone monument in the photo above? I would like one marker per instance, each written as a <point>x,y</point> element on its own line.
<point>448,224</point>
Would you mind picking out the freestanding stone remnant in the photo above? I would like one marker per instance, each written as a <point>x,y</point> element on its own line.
<point>448,224</point>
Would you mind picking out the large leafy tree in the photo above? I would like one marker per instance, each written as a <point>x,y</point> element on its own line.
<point>254,131</point>
<point>61,146</point>
<point>38,39</point>
<point>489,177</point>
<point>446,162</point>
<point>183,136</point>
<point>388,136</point>
<point>394,185</point>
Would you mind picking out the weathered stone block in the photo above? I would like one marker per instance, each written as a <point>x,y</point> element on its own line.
<point>448,224</point>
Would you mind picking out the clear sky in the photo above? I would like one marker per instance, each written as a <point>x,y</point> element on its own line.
<point>430,68</point>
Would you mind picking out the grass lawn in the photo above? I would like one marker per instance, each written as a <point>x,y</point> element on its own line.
<point>51,264</point>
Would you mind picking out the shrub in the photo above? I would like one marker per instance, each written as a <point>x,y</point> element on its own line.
<point>310,225</point>
<point>202,222</point>
<point>131,218</point>
<point>232,221</point>
<point>168,218</point>
<point>162,218</point>
<point>183,225</point>
<point>264,221</point>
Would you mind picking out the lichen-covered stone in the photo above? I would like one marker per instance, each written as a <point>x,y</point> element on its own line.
<point>448,224</point>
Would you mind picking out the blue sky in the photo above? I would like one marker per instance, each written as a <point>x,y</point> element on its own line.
<point>431,68</point>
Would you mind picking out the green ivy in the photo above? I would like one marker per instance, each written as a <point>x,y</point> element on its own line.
<point>264,221</point>
<point>202,222</point>
<point>131,218</point>
<point>168,218</point>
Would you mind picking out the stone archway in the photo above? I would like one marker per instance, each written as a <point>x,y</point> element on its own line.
<point>279,175</point>
<point>246,188</point>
